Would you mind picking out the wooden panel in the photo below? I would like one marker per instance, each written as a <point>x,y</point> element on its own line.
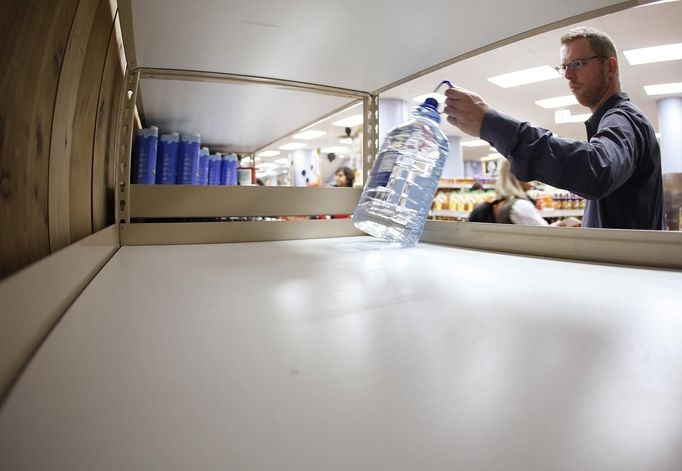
<point>82,149</point>
<point>28,316</point>
<point>33,37</point>
<point>239,231</point>
<point>645,248</point>
<point>164,201</point>
<point>104,150</point>
<point>62,125</point>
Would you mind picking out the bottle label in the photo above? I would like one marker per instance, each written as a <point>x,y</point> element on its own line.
<point>383,168</point>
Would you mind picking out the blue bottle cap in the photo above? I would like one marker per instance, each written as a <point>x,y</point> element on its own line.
<point>431,103</point>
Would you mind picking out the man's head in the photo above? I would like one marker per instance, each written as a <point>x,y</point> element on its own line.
<point>590,64</point>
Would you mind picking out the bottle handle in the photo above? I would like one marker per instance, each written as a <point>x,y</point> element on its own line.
<point>444,82</point>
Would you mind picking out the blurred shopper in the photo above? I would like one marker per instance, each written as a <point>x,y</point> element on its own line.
<point>477,186</point>
<point>344,177</point>
<point>618,170</point>
<point>512,206</point>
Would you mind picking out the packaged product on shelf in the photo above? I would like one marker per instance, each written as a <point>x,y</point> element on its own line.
<point>143,167</point>
<point>188,159</point>
<point>214,168</point>
<point>167,156</point>
<point>245,176</point>
<point>576,202</point>
<point>228,172</point>
<point>439,201</point>
<point>202,169</point>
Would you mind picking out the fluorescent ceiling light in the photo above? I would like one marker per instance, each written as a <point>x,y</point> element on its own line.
<point>268,153</point>
<point>655,3</point>
<point>335,150</point>
<point>422,98</point>
<point>476,143</point>
<point>663,88</point>
<point>310,134</point>
<point>565,116</point>
<point>349,122</point>
<point>292,146</point>
<point>346,140</point>
<point>523,77</point>
<point>282,161</point>
<point>647,55</point>
<point>557,102</point>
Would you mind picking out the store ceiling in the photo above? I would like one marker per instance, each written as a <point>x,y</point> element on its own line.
<point>345,65</point>
<point>351,44</point>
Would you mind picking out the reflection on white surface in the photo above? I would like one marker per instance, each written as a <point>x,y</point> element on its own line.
<point>346,354</point>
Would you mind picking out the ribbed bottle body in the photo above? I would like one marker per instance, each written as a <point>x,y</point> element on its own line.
<point>396,200</point>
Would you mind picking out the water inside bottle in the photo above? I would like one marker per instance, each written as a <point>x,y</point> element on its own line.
<point>401,185</point>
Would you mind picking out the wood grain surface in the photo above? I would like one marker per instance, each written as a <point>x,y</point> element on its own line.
<point>33,39</point>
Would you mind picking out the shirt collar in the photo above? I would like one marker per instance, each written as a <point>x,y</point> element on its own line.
<point>592,124</point>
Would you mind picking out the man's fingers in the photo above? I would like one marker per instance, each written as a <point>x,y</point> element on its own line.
<point>452,102</point>
<point>456,93</point>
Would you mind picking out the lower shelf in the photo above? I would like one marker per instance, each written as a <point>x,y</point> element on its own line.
<point>545,213</point>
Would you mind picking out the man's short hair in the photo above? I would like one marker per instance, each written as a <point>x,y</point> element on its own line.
<point>601,43</point>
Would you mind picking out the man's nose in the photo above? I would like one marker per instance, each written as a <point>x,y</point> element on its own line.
<point>569,74</point>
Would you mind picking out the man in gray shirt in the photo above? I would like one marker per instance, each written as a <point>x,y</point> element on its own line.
<point>618,170</point>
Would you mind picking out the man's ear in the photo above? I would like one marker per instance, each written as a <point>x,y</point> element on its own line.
<point>613,66</point>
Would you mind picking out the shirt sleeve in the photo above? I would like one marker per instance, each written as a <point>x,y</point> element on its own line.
<point>590,169</point>
<point>523,212</point>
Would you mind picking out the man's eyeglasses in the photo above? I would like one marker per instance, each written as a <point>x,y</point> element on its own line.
<point>575,64</point>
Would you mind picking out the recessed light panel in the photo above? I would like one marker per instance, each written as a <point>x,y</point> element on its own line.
<point>523,77</point>
<point>557,102</point>
<point>663,88</point>
<point>648,55</point>
<point>309,134</point>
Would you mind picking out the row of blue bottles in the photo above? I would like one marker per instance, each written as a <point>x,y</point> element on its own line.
<point>175,159</point>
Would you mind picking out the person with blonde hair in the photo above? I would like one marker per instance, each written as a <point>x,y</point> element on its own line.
<point>513,205</point>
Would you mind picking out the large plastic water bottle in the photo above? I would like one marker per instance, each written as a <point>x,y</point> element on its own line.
<point>401,185</point>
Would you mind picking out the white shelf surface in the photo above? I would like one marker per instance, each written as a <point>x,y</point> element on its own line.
<point>347,354</point>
